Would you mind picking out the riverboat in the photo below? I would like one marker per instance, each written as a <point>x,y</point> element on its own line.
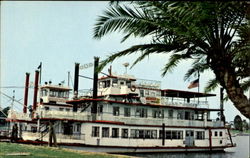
<point>121,114</point>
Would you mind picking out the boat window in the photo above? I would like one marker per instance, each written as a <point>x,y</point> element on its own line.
<point>152,93</point>
<point>140,112</point>
<point>67,110</point>
<point>221,134</point>
<point>44,92</point>
<point>121,83</point>
<point>200,135</point>
<point>101,84</point>
<point>132,133</point>
<point>61,109</point>
<point>105,131</point>
<point>78,128</point>
<point>143,134</point>
<point>108,83</point>
<point>115,82</point>
<point>46,108</point>
<point>187,115</point>
<point>172,134</point>
<point>141,93</point>
<point>95,131</point>
<point>116,111</point>
<point>124,133</point>
<point>128,83</point>
<point>100,108</point>
<point>158,113</point>
<point>147,92</point>
<point>180,115</point>
<point>215,133</point>
<point>51,93</point>
<point>168,135</point>
<point>170,113</point>
<point>126,112</point>
<point>115,132</point>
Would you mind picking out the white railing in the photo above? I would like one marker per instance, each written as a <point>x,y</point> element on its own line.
<point>18,115</point>
<point>180,102</point>
<point>160,121</point>
<point>64,115</point>
<point>59,136</point>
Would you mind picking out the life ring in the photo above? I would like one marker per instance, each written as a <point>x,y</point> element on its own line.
<point>133,88</point>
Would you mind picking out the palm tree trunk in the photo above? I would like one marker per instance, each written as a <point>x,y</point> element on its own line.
<point>227,78</point>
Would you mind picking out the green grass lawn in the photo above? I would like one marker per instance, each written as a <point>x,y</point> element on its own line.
<point>237,131</point>
<point>43,151</point>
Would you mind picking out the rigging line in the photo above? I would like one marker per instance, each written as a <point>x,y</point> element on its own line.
<point>15,87</point>
<point>86,77</point>
<point>104,73</point>
<point>71,80</point>
<point>11,98</point>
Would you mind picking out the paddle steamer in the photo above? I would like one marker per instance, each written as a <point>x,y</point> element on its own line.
<point>121,114</point>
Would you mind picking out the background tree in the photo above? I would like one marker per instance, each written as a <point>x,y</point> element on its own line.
<point>3,115</point>
<point>214,35</point>
<point>245,125</point>
<point>238,123</point>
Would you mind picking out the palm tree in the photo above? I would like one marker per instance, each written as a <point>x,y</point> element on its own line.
<point>214,35</point>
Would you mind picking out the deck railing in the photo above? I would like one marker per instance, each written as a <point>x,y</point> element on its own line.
<point>18,115</point>
<point>36,135</point>
<point>180,102</point>
<point>64,115</point>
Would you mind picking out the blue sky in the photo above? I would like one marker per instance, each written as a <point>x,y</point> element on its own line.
<point>58,34</point>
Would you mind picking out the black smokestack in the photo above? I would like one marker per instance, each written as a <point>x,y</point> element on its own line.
<point>95,81</point>
<point>76,80</point>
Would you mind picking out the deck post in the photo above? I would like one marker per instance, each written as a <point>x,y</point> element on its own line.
<point>230,137</point>
<point>163,134</point>
<point>210,138</point>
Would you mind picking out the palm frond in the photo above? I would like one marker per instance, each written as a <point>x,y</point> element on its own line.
<point>211,85</point>
<point>146,49</point>
<point>172,63</point>
<point>198,65</point>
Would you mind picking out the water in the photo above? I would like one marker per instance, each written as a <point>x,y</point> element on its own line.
<point>240,151</point>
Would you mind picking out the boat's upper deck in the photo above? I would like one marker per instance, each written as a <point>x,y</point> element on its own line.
<point>122,87</point>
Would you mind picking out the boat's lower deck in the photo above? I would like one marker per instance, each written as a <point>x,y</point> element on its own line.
<point>126,136</point>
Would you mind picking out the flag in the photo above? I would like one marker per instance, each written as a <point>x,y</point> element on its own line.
<point>39,67</point>
<point>194,84</point>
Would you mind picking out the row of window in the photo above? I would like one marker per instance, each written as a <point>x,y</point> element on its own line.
<point>114,83</point>
<point>145,133</point>
<point>55,93</point>
<point>216,133</point>
<point>142,112</point>
<point>157,113</point>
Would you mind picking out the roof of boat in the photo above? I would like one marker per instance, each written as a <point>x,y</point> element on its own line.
<point>125,76</point>
<point>184,94</point>
<point>60,87</point>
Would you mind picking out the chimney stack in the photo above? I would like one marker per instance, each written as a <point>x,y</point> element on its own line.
<point>76,79</point>
<point>95,82</point>
<point>26,91</point>
<point>35,90</point>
